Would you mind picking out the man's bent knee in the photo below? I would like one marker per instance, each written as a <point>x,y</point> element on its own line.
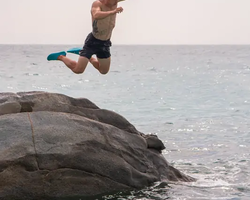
<point>103,72</point>
<point>78,71</point>
<point>104,69</point>
<point>81,65</point>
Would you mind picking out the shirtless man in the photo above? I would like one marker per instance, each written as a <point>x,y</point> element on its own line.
<point>97,42</point>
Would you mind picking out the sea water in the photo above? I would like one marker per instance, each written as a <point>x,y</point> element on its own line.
<point>195,98</point>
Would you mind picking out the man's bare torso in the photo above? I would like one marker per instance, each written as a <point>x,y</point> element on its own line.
<point>102,28</point>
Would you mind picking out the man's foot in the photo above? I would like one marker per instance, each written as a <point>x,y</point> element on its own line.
<point>54,56</point>
<point>94,62</point>
<point>74,50</point>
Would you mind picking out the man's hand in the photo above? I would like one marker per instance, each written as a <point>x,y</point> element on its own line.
<point>118,10</point>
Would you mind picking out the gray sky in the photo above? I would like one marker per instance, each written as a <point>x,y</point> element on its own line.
<point>142,22</point>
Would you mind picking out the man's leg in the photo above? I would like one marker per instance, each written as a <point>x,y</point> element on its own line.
<point>101,64</point>
<point>76,67</point>
<point>95,63</point>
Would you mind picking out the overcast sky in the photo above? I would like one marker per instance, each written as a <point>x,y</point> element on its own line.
<point>142,22</point>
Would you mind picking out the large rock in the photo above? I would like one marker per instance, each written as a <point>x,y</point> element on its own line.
<point>55,146</point>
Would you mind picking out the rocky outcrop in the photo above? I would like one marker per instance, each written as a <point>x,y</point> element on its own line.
<point>55,146</point>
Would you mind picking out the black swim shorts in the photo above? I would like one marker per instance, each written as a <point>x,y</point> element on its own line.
<point>95,46</point>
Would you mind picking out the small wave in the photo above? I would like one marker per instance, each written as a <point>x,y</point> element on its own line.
<point>115,71</point>
<point>30,74</point>
<point>159,191</point>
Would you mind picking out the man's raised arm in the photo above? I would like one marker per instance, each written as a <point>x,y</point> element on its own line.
<point>97,13</point>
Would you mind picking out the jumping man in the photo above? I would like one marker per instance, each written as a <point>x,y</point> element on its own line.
<point>97,42</point>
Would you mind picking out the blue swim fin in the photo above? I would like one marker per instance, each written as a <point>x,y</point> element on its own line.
<point>74,50</point>
<point>54,56</point>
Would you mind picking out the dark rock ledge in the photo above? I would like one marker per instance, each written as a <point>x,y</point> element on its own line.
<point>55,146</point>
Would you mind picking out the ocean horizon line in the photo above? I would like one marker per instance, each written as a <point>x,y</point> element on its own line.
<point>37,44</point>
